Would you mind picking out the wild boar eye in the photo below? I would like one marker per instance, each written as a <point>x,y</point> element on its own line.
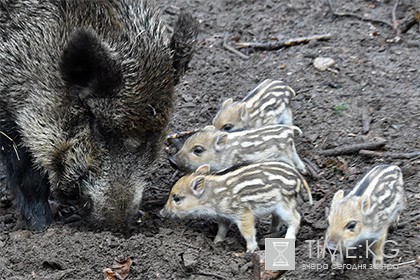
<point>177,198</point>
<point>351,226</point>
<point>227,127</point>
<point>198,151</point>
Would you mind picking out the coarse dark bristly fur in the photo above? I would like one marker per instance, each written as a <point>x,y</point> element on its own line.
<point>86,93</point>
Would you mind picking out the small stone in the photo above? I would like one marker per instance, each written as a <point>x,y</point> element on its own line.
<point>234,268</point>
<point>166,231</point>
<point>313,137</point>
<point>190,259</point>
<point>20,234</point>
<point>245,267</point>
<point>51,232</point>
<point>320,224</point>
<point>323,63</point>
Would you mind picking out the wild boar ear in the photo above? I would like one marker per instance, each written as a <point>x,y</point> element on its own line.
<point>182,43</point>
<point>243,111</point>
<point>221,141</point>
<point>203,169</point>
<point>364,203</point>
<point>87,66</point>
<point>227,102</point>
<point>337,197</point>
<point>198,186</point>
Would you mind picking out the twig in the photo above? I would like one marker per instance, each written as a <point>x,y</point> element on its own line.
<point>212,275</point>
<point>403,224</point>
<point>383,22</point>
<point>182,134</point>
<point>390,155</point>
<point>410,22</point>
<point>280,44</point>
<point>232,49</point>
<point>189,245</point>
<point>366,119</point>
<point>184,229</point>
<point>405,263</point>
<point>13,144</point>
<point>174,175</point>
<point>395,21</point>
<point>312,168</point>
<point>374,144</point>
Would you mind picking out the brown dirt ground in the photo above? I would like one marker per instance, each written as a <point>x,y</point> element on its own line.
<point>373,73</point>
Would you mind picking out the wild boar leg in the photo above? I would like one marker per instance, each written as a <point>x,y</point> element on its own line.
<point>30,186</point>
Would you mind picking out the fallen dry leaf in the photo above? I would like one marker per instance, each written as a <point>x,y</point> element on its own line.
<point>111,275</point>
<point>119,270</point>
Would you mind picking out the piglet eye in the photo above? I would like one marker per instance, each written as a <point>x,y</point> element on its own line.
<point>198,151</point>
<point>227,127</point>
<point>351,226</point>
<point>177,198</point>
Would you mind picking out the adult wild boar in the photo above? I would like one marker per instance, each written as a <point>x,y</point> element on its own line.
<point>86,92</point>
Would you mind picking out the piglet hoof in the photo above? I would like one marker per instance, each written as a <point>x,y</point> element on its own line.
<point>218,239</point>
<point>377,262</point>
<point>251,250</point>
<point>303,170</point>
<point>72,219</point>
<point>248,253</point>
<point>337,262</point>
<point>338,272</point>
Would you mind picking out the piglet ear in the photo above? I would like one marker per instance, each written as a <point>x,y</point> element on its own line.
<point>327,211</point>
<point>337,196</point>
<point>221,141</point>
<point>203,169</point>
<point>227,102</point>
<point>87,66</point>
<point>243,111</point>
<point>198,186</point>
<point>209,128</point>
<point>364,204</point>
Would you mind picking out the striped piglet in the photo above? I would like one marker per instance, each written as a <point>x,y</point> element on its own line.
<point>240,195</point>
<point>366,213</point>
<point>267,104</point>
<point>222,150</point>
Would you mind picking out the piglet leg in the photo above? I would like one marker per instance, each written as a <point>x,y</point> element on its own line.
<point>246,226</point>
<point>222,231</point>
<point>378,251</point>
